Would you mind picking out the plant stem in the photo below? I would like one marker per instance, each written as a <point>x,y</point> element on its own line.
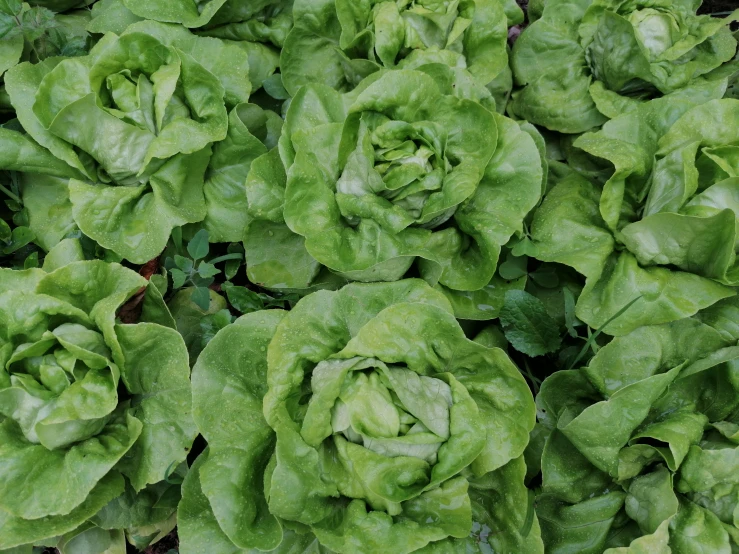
<point>226,257</point>
<point>11,194</point>
<point>594,336</point>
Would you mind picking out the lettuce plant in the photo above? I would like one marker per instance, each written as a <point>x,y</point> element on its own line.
<point>691,195</point>
<point>119,141</point>
<point>362,420</point>
<point>663,227</point>
<point>366,183</point>
<point>339,42</point>
<point>585,60</point>
<point>257,28</point>
<point>85,402</point>
<point>640,448</point>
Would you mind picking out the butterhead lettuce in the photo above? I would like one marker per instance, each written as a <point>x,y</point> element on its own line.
<point>339,42</point>
<point>362,420</point>
<point>641,447</point>
<point>90,407</point>
<point>397,171</point>
<point>663,227</point>
<point>584,61</point>
<point>118,142</point>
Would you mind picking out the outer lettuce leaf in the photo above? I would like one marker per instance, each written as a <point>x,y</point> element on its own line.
<point>258,29</point>
<point>495,503</point>
<point>253,21</point>
<point>580,527</point>
<point>11,50</point>
<point>143,515</point>
<point>22,154</point>
<point>252,132</point>
<point>89,539</point>
<point>483,304</point>
<point>49,208</point>
<point>17,531</point>
<point>567,228</point>
<point>110,16</point>
<point>665,295</point>
<point>159,386</point>
<point>186,12</point>
<point>722,317</point>
<point>656,543</point>
<point>225,60</point>
<point>508,191</point>
<point>549,61</point>
<point>267,22</point>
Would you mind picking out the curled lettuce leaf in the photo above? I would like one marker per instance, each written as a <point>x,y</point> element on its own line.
<point>366,183</point>
<point>258,21</point>
<point>586,61</point>
<point>252,132</point>
<point>641,447</point>
<point>85,401</point>
<point>364,420</point>
<point>266,21</point>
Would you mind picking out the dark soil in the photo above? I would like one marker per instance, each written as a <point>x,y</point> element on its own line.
<point>168,544</point>
<point>718,6</point>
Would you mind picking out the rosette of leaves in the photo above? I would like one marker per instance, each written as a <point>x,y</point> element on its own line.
<point>95,413</point>
<point>397,171</point>
<point>361,421</point>
<point>339,42</point>
<point>118,142</point>
<point>640,448</point>
<point>584,62</point>
<point>663,227</point>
